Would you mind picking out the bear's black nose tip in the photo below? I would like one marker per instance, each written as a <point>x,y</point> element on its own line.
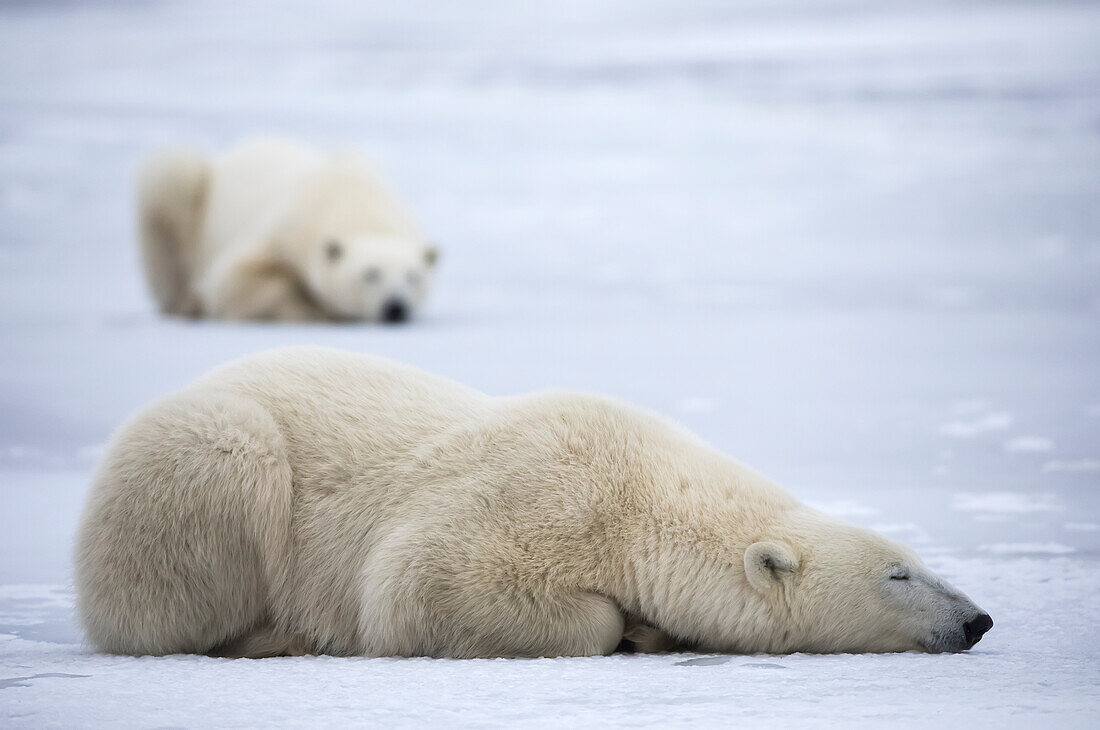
<point>394,310</point>
<point>976,627</point>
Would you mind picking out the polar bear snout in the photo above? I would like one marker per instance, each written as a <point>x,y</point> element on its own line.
<point>975,628</point>
<point>962,636</point>
<point>394,310</point>
<point>372,279</point>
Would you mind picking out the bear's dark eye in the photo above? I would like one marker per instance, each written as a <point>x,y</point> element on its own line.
<point>372,275</point>
<point>333,250</point>
<point>900,576</point>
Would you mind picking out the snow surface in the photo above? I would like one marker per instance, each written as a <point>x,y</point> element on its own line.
<point>855,244</point>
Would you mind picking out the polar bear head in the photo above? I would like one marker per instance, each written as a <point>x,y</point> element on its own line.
<point>820,585</point>
<point>358,252</point>
<point>370,277</point>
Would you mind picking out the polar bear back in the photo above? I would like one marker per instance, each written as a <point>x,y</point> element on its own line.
<point>395,468</point>
<point>246,183</point>
<point>351,409</point>
<point>362,506</point>
<point>263,183</point>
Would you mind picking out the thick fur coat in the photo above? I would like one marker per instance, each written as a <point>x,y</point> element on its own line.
<point>310,500</point>
<point>274,230</point>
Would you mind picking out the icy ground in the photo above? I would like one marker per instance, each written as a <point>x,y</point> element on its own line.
<point>854,244</point>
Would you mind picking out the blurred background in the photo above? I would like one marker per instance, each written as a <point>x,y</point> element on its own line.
<point>854,244</point>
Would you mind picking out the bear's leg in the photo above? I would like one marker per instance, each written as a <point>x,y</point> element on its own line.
<point>412,603</point>
<point>260,288</point>
<point>580,624</point>
<point>642,638</point>
<point>171,197</point>
<point>187,529</point>
<point>484,625</point>
<point>264,641</point>
<point>571,624</point>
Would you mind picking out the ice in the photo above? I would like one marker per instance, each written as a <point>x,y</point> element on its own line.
<point>1027,548</point>
<point>854,244</point>
<point>1082,526</point>
<point>983,424</point>
<point>1006,502</point>
<point>1029,444</point>
<point>1072,465</point>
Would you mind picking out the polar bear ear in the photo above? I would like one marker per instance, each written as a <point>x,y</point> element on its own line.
<point>767,564</point>
<point>431,255</point>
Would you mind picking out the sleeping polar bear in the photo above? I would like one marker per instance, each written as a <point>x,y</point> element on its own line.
<point>272,230</point>
<point>307,500</point>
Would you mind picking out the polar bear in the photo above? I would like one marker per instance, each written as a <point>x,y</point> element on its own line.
<point>273,230</point>
<point>307,500</point>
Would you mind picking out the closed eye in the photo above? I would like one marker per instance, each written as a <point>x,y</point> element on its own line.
<point>899,577</point>
<point>333,250</point>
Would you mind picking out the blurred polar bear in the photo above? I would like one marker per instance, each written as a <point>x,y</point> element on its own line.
<point>307,500</point>
<point>276,231</point>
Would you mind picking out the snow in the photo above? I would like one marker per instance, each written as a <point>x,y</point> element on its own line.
<point>854,244</point>
<point>1073,465</point>
<point>1082,526</point>
<point>1029,443</point>
<point>983,424</point>
<point>1027,548</point>
<point>1004,502</point>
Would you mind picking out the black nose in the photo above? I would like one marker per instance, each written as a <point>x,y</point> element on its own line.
<point>976,627</point>
<point>394,311</point>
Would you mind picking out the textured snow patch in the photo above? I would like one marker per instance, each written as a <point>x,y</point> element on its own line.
<point>1029,444</point>
<point>1027,548</point>
<point>19,452</point>
<point>970,406</point>
<point>976,426</point>
<point>907,532</point>
<point>1072,465</point>
<point>695,405</point>
<point>951,296</point>
<point>844,508</point>
<point>1024,673</point>
<point>1082,527</point>
<point>1004,503</point>
<point>38,593</point>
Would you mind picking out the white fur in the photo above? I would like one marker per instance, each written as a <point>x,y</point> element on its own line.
<point>251,234</point>
<point>310,500</point>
